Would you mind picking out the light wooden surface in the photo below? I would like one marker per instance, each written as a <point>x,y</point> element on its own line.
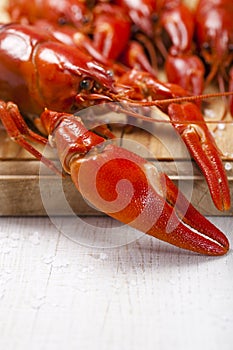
<point>19,170</point>
<point>57,294</point>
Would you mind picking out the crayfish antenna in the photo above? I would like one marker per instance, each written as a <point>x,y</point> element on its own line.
<point>168,101</point>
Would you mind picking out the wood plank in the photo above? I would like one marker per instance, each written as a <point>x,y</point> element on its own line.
<point>23,180</point>
<point>26,193</point>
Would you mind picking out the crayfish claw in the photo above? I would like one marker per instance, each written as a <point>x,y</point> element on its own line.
<point>189,122</point>
<point>119,185</point>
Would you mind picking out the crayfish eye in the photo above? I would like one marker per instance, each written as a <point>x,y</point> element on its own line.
<point>230,47</point>
<point>86,19</point>
<point>154,17</point>
<point>86,84</point>
<point>110,73</point>
<point>62,21</point>
<point>206,46</point>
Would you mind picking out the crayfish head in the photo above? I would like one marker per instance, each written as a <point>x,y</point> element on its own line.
<point>96,86</point>
<point>69,79</point>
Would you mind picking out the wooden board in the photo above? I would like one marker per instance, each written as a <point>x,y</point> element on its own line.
<point>23,185</point>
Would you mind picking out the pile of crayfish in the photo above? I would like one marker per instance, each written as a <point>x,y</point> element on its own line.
<point>59,57</point>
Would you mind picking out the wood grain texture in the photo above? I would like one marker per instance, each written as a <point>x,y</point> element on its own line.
<point>23,180</point>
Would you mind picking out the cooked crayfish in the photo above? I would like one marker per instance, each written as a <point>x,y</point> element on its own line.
<point>180,34</point>
<point>142,26</point>
<point>169,25</point>
<point>37,71</point>
<point>214,38</point>
<point>70,12</point>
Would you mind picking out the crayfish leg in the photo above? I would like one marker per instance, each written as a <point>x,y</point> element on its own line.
<point>18,131</point>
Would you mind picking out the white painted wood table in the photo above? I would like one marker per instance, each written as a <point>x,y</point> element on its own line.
<point>100,293</point>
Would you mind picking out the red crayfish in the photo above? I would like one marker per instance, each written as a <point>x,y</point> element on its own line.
<point>37,71</point>
<point>214,38</point>
<point>197,44</point>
